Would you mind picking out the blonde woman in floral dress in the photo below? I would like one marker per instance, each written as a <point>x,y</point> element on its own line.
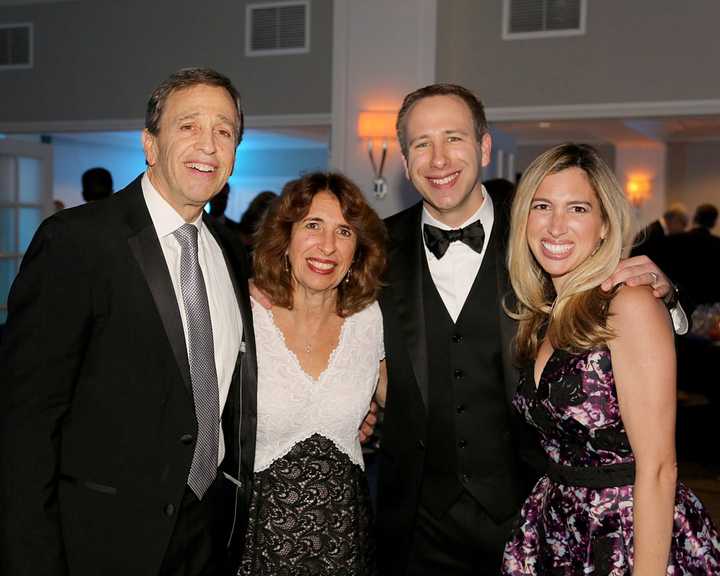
<point>599,384</point>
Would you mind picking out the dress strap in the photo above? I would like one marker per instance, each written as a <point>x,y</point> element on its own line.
<point>608,476</point>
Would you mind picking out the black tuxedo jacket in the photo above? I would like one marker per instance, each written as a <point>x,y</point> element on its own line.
<point>404,432</point>
<point>97,419</point>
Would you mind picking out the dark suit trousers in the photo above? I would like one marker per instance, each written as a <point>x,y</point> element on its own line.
<point>463,541</point>
<point>195,547</point>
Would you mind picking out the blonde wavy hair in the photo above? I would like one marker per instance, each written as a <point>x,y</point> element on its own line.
<point>576,317</point>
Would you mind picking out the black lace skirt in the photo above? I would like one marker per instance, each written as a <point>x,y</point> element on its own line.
<point>310,515</point>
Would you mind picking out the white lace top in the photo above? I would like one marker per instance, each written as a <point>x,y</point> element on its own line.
<point>292,406</point>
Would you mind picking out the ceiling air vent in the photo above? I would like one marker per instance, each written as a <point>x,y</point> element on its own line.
<point>15,46</point>
<point>277,28</point>
<point>543,18</point>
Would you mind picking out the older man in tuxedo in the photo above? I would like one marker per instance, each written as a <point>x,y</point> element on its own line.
<point>455,461</point>
<point>127,424</point>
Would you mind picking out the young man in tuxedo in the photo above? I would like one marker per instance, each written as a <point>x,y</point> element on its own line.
<point>127,425</point>
<point>454,456</point>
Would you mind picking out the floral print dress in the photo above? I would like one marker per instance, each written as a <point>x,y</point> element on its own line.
<point>578,518</point>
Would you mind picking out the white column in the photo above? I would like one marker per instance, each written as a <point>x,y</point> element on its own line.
<point>381,51</point>
<point>644,159</point>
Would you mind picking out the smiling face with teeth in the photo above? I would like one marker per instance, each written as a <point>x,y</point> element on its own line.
<point>192,155</point>
<point>565,224</point>
<point>444,159</point>
<point>322,247</point>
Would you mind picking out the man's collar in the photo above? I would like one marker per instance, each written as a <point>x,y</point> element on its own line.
<point>485,214</point>
<point>164,217</point>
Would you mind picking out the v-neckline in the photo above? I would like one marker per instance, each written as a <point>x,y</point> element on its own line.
<point>294,358</point>
<point>539,380</point>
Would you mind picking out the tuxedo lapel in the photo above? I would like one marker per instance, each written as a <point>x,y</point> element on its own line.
<point>406,280</point>
<point>146,249</point>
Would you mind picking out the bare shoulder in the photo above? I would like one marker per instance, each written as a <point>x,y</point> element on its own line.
<point>636,304</point>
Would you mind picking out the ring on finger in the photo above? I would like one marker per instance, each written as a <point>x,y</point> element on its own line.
<point>654,276</point>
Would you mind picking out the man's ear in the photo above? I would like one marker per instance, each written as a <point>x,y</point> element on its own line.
<point>485,149</point>
<point>405,166</point>
<point>149,146</point>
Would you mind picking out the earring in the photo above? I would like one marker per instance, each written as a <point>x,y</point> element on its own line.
<point>347,276</point>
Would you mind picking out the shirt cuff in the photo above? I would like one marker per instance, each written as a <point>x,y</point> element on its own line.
<point>679,319</point>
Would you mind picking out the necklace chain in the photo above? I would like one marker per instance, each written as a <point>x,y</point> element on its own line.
<point>308,345</point>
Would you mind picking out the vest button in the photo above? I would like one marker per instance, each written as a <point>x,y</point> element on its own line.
<point>457,373</point>
<point>457,338</point>
<point>169,510</point>
<point>460,408</point>
<point>466,477</point>
<point>462,444</point>
<point>186,439</point>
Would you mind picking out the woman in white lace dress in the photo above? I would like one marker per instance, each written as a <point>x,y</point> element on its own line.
<point>318,258</point>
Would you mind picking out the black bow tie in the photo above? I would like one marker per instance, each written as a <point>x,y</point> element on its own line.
<point>438,240</point>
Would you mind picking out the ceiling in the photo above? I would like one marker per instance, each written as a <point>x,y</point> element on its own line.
<point>305,137</point>
<point>598,131</point>
<point>614,131</point>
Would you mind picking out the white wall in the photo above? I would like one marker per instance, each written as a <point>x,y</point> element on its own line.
<point>96,61</point>
<point>638,51</point>
<point>381,51</point>
<point>649,161</point>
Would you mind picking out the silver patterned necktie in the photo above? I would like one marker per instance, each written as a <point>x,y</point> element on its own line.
<point>202,362</point>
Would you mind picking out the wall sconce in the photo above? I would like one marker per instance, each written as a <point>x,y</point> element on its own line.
<point>377,127</point>
<point>638,189</point>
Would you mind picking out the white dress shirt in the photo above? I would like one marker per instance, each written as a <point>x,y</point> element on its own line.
<point>224,311</point>
<point>455,272</point>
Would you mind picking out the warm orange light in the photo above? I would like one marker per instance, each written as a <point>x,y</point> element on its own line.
<point>376,125</point>
<point>638,189</point>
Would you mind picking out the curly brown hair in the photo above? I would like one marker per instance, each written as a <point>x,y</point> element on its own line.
<point>273,240</point>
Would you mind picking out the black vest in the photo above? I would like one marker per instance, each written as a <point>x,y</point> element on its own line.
<point>469,445</point>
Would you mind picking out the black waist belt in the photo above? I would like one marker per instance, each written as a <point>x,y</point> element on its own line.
<point>608,476</point>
